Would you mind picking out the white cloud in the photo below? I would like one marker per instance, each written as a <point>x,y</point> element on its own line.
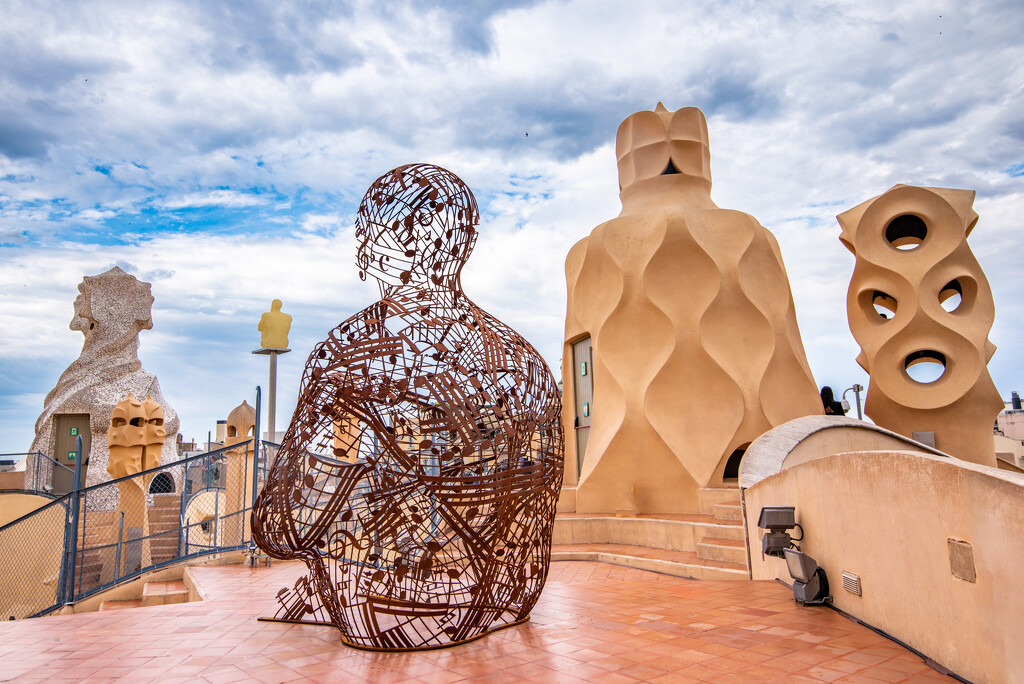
<point>275,119</point>
<point>214,198</point>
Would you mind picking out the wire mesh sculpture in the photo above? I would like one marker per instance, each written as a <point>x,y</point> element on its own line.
<point>419,475</point>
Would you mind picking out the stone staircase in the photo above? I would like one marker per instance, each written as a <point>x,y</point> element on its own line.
<point>708,544</point>
<point>97,535</point>
<point>96,530</point>
<point>157,593</point>
<point>165,523</point>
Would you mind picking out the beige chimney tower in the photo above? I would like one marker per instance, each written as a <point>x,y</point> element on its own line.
<point>918,298</point>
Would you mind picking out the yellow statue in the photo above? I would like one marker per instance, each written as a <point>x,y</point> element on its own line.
<point>274,326</point>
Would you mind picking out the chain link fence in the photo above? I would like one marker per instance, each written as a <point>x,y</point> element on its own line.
<point>99,536</point>
<point>40,466</point>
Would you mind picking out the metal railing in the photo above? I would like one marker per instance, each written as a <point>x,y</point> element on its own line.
<point>9,462</point>
<point>98,536</point>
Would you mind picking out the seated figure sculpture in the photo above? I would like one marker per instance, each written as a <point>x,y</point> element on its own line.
<point>418,477</point>
<point>274,326</point>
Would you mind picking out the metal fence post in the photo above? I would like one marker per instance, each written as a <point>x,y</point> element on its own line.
<point>120,536</point>
<point>255,465</point>
<point>76,497</point>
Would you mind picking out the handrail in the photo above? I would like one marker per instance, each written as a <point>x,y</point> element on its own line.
<point>92,562</point>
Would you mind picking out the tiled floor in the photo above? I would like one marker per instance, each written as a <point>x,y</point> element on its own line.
<point>594,623</point>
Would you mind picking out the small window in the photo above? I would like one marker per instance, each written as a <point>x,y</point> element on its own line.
<point>161,484</point>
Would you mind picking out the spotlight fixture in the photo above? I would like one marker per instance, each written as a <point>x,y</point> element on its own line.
<point>777,520</point>
<point>810,586</point>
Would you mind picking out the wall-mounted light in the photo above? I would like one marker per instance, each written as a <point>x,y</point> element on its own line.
<point>810,586</point>
<point>777,520</point>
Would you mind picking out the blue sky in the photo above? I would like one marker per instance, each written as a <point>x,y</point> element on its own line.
<point>219,151</point>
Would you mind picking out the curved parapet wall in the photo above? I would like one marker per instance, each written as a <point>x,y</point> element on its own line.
<point>927,549</point>
<point>696,349</point>
<point>918,297</point>
<point>813,437</point>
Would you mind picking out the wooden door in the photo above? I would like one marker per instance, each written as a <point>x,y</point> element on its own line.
<point>67,427</point>
<point>583,386</point>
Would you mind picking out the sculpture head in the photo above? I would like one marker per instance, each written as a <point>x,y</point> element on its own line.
<point>656,143</point>
<point>135,436</point>
<point>111,305</point>
<point>416,226</point>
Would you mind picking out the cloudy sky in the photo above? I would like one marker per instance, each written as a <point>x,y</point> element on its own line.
<point>219,151</point>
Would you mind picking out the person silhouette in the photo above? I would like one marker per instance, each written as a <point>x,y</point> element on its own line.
<point>832,407</point>
<point>419,474</point>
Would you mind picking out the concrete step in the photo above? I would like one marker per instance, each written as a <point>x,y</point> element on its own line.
<point>725,550</point>
<point>729,510</point>
<point>164,517</point>
<point>676,563</point>
<point>166,500</point>
<point>708,497</point>
<point>566,500</point>
<point>670,532</point>
<point>160,534</point>
<point>163,593</point>
<point>120,605</point>
<point>92,566</point>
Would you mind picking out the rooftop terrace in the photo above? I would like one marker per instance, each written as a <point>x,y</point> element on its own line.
<point>594,623</point>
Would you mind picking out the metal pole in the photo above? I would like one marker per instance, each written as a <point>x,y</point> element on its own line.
<point>120,535</point>
<point>76,497</point>
<point>255,454</point>
<point>857,389</point>
<point>216,516</point>
<point>272,399</point>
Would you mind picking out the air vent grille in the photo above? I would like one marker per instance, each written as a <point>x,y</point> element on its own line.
<point>851,582</point>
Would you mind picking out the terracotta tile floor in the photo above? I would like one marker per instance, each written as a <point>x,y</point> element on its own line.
<point>594,623</point>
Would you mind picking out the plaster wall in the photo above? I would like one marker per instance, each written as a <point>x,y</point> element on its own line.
<point>1011,422</point>
<point>1009,452</point>
<point>888,516</point>
<point>32,553</point>
<point>840,439</point>
<point>14,505</point>
<point>14,479</point>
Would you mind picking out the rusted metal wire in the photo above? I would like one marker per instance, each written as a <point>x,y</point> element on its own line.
<point>419,475</point>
